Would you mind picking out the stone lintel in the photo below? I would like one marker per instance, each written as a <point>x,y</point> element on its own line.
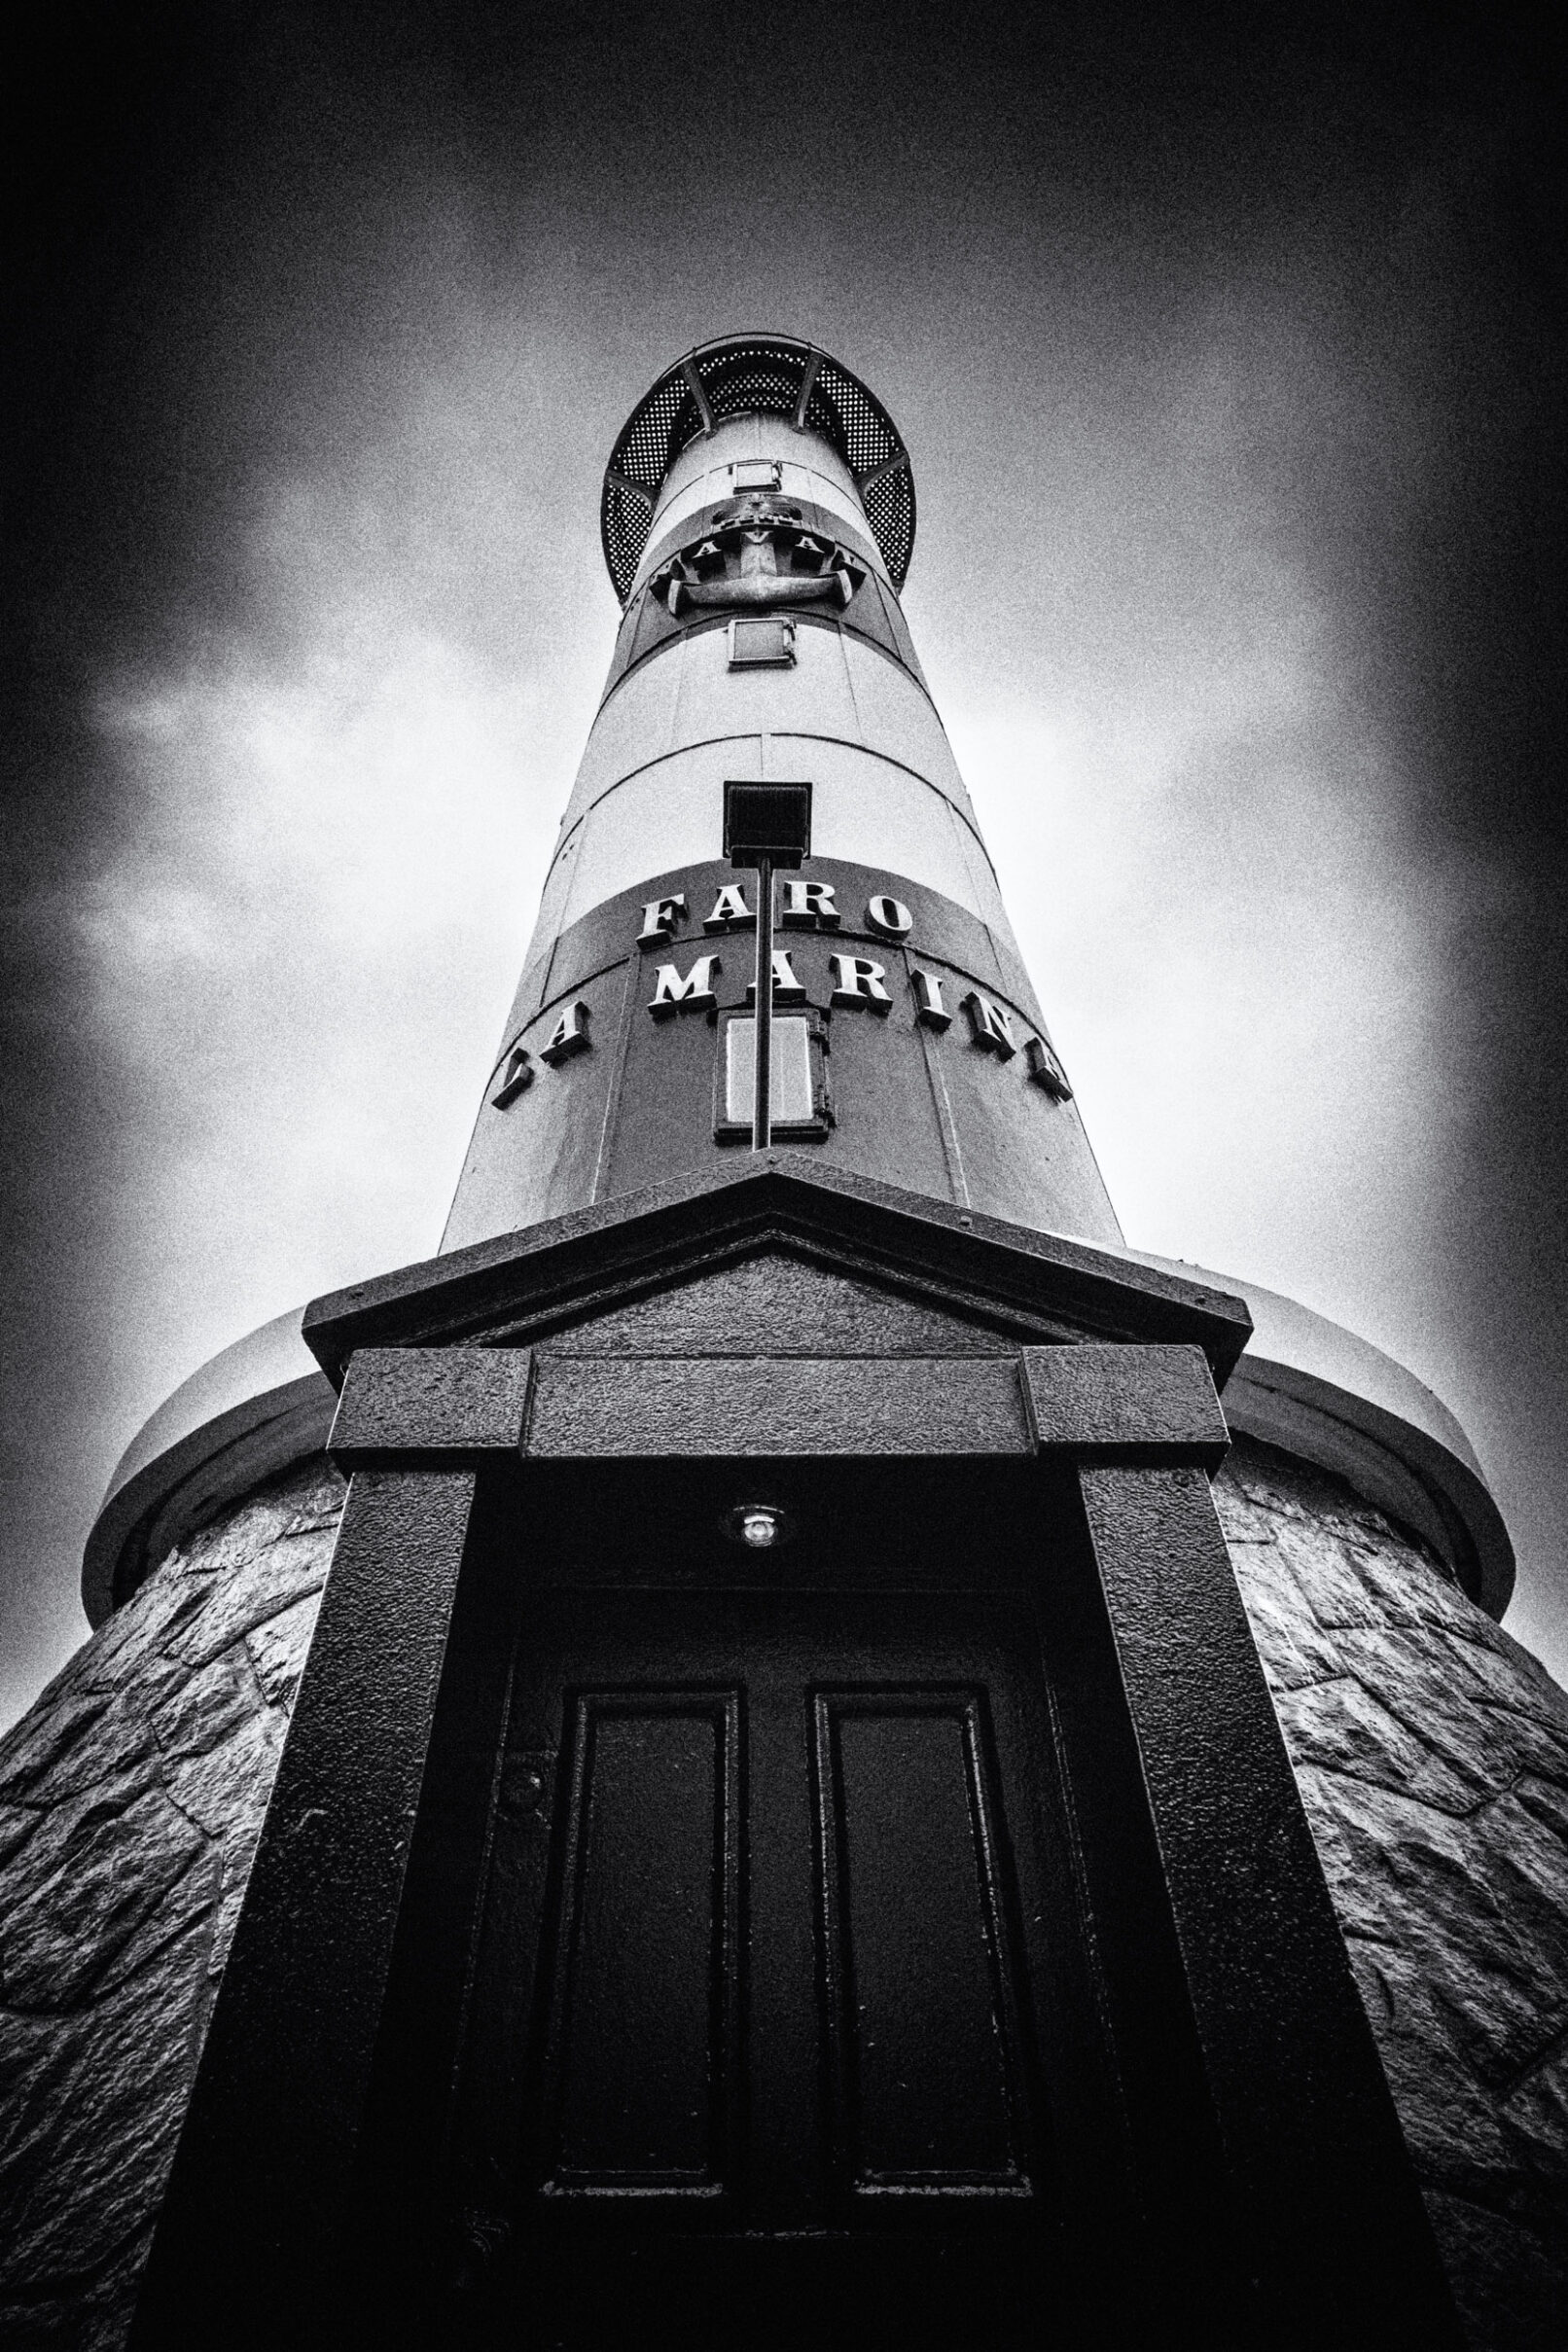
<point>1109,1401</point>
<point>436,1402</point>
<point>717,1407</point>
<point>457,1403</point>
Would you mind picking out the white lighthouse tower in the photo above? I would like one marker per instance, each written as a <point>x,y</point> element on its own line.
<point>757,523</point>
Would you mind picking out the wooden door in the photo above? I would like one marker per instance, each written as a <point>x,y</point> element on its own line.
<point>779,2027</point>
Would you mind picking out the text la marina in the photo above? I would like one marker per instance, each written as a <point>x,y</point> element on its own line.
<point>859,984</point>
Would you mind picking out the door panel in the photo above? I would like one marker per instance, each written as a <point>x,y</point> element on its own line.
<point>637,2059</point>
<point>920,1967</point>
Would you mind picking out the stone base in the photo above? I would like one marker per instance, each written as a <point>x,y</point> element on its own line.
<point>1431,1750</point>
<point>131,1797</point>
<point>1432,1754</point>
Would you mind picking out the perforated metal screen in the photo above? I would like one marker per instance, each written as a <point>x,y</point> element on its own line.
<point>741,376</point>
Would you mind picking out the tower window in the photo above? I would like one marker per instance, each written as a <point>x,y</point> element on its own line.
<point>757,474</point>
<point>762,644</point>
<point>797,1073</point>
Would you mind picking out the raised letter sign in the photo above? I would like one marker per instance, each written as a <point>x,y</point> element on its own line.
<point>928,1005</point>
<point>787,989</point>
<point>693,994</point>
<point>517,1074</point>
<point>658,919</point>
<point>993,1031</point>
<point>891,917</point>
<point>809,906</point>
<point>729,907</point>
<point>568,1037</point>
<point>1046,1070</point>
<point>857,980</point>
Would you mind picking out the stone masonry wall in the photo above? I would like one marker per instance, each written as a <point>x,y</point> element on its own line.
<point>1431,1750</point>
<point>132,1795</point>
<point>1431,1753</point>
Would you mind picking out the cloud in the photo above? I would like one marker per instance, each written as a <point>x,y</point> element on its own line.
<point>1228,361</point>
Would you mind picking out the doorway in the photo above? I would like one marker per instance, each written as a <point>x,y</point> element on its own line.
<point>779,2027</point>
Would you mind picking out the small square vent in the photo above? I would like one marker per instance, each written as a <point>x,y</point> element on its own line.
<point>762,644</point>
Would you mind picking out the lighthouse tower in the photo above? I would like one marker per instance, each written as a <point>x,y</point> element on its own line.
<point>757,523</point>
<point>788,1741</point>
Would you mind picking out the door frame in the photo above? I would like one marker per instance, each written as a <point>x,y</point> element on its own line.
<point>1307,2227</point>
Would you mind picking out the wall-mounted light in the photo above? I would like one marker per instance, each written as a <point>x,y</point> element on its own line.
<point>758,1526</point>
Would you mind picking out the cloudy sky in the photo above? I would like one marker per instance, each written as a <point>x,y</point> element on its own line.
<point>1230,349</point>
